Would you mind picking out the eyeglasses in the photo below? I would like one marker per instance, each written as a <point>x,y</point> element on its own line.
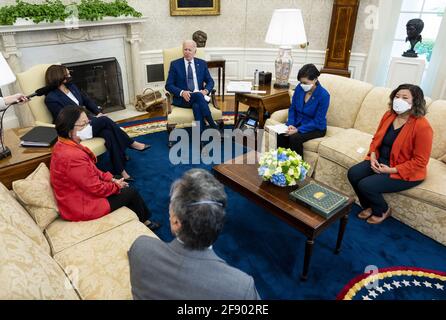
<point>85,124</point>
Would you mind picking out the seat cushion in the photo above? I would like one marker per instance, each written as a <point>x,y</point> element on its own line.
<point>436,115</point>
<point>103,263</point>
<point>432,190</point>
<point>313,145</point>
<point>13,214</point>
<point>346,97</point>
<point>36,195</point>
<point>27,272</point>
<point>185,116</point>
<point>346,148</point>
<point>63,234</point>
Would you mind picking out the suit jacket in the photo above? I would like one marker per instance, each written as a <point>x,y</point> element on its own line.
<point>80,188</point>
<point>56,100</point>
<point>177,79</point>
<point>311,116</point>
<point>411,150</point>
<point>160,270</point>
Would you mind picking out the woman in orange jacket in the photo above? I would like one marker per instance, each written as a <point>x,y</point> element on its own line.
<point>398,155</point>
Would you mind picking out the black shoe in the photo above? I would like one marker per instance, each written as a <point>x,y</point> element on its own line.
<point>129,179</point>
<point>153,225</point>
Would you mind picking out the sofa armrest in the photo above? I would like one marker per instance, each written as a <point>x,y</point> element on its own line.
<point>44,124</point>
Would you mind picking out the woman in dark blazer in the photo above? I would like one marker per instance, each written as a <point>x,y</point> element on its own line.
<point>67,94</point>
<point>398,155</point>
<point>82,191</point>
<point>307,116</point>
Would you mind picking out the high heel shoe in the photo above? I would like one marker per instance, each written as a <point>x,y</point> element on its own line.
<point>365,214</point>
<point>146,146</point>
<point>378,220</point>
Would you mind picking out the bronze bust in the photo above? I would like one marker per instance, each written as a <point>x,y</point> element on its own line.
<point>414,28</point>
<point>200,38</point>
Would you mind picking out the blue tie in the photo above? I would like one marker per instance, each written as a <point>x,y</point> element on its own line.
<point>190,78</point>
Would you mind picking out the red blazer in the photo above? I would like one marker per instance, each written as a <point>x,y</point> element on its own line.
<point>411,150</point>
<point>80,188</point>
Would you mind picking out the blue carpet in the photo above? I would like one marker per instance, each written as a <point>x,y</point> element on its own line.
<point>263,246</point>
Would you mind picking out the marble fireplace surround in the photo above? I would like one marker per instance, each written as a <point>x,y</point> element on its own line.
<point>26,45</point>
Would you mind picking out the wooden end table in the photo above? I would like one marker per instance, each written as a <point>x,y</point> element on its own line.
<point>241,175</point>
<point>221,65</point>
<point>271,101</point>
<point>23,160</point>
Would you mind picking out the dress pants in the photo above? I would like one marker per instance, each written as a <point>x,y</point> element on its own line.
<point>116,141</point>
<point>296,141</point>
<point>200,108</point>
<point>131,199</point>
<point>370,186</point>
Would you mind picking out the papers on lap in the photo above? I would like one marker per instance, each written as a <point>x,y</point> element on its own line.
<point>279,128</point>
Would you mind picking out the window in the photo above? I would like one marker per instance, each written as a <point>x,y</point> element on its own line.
<point>431,12</point>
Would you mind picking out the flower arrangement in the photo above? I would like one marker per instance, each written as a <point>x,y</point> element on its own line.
<point>283,167</point>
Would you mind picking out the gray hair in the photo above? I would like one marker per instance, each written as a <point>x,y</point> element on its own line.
<point>192,42</point>
<point>198,200</point>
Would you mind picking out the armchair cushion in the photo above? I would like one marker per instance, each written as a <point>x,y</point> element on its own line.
<point>436,114</point>
<point>36,194</point>
<point>185,116</point>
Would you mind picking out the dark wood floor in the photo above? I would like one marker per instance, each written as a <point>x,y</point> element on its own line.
<point>225,106</point>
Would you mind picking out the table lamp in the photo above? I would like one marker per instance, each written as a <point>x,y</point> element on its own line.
<point>6,77</point>
<point>286,29</point>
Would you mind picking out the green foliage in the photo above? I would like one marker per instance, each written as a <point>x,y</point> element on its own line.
<point>425,48</point>
<point>53,10</point>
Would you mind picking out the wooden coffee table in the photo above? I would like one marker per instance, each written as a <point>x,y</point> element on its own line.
<point>22,161</point>
<point>241,175</point>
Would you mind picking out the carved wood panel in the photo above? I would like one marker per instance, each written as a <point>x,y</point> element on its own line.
<point>340,40</point>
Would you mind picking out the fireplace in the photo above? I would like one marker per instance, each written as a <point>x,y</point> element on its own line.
<point>101,80</point>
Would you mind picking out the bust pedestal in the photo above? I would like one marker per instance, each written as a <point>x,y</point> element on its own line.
<point>405,70</point>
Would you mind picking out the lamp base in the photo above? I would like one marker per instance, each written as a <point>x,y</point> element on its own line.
<point>281,86</point>
<point>5,153</point>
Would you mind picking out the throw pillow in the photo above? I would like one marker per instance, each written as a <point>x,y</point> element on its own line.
<point>36,195</point>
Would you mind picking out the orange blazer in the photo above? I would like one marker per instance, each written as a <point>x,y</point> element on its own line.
<point>411,150</point>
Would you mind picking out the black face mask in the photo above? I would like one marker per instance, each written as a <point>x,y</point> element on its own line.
<point>68,79</point>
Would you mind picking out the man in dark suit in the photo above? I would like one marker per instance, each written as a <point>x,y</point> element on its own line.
<point>188,268</point>
<point>190,83</point>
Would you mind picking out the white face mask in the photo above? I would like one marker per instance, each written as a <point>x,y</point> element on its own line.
<point>401,106</point>
<point>86,133</point>
<point>306,87</point>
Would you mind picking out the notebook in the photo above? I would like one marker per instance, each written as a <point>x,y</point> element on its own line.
<point>39,137</point>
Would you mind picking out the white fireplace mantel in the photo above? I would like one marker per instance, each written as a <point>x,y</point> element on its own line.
<point>27,43</point>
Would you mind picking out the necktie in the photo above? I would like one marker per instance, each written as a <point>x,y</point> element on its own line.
<point>190,78</point>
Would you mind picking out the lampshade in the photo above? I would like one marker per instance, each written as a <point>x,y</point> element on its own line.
<point>6,74</point>
<point>286,28</point>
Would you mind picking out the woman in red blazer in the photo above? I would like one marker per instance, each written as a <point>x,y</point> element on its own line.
<point>398,155</point>
<point>83,192</point>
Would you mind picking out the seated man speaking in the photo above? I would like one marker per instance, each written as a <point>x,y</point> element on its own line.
<point>190,82</point>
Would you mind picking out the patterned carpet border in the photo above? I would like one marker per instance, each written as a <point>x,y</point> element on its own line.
<point>357,288</point>
<point>142,127</point>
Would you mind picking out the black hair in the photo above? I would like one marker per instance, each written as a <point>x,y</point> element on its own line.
<point>67,119</point>
<point>308,71</point>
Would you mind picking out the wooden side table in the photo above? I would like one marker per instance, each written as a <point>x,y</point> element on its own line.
<point>23,161</point>
<point>221,65</point>
<point>271,101</point>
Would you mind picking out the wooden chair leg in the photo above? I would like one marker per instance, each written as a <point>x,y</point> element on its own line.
<point>170,128</point>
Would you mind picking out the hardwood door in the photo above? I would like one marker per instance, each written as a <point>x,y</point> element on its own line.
<point>340,40</point>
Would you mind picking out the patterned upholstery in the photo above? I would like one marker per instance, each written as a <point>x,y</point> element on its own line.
<point>346,97</point>
<point>36,194</point>
<point>436,115</point>
<point>28,272</point>
<point>13,214</point>
<point>99,267</point>
<point>63,234</point>
<point>34,78</point>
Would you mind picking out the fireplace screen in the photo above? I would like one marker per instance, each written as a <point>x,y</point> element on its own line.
<point>101,80</point>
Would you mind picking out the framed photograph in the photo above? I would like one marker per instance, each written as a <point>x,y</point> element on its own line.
<point>194,7</point>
